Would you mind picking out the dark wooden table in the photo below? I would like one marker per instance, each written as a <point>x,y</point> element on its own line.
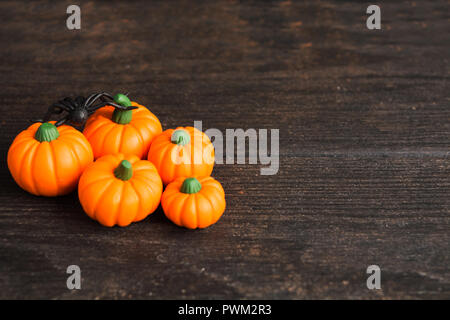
<point>364,125</point>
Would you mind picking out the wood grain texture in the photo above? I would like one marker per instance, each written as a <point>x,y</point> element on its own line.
<point>364,146</point>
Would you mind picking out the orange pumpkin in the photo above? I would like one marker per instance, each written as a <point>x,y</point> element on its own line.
<point>119,190</point>
<point>111,130</point>
<point>46,160</point>
<point>183,152</point>
<point>194,203</point>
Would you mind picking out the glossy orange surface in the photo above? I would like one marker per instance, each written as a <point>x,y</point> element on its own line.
<point>112,201</point>
<point>49,168</point>
<point>108,137</point>
<point>196,210</point>
<point>195,159</point>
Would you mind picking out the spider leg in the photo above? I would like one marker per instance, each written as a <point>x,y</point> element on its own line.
<point>89,104</point>
<point>68,100</point>
<point>61,121</point>
<point>91,109</point>
<point>80,100</point>
<point>102,95</point>
<point>94,97</point>
<point>91,98</point>
<point>105,94</point>
<point>53,109</point>
<point>68,103</point>
<point>62,107</point>
<point>121,107</point>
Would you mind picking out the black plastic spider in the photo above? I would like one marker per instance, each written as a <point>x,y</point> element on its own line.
<point>79,109</point>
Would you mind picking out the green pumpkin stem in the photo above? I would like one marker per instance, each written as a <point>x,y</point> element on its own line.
<point>191,185</point>
<point>46,132</point>
<point>180,137</point>
<point>124,170</point>
<point>122,116</point>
